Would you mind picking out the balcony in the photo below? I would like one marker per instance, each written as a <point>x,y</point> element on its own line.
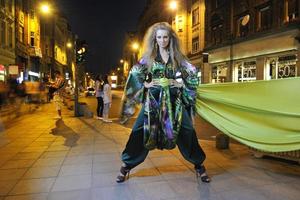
<point>35,52</point>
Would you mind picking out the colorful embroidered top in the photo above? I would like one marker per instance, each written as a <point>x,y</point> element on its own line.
<point>162,105</point>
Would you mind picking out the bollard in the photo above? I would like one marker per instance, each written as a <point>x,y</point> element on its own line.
<point>222,141</point>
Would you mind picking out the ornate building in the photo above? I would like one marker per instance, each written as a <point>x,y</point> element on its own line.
<point>7,37</point>
<point>251,40</point>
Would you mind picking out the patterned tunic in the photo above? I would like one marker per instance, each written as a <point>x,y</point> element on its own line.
<point>162,104</point>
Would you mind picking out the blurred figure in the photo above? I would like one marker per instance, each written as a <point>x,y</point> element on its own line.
<point>99,96</point>
<point>12,92</point>
<point>107,99</point>
<point>58,88</point>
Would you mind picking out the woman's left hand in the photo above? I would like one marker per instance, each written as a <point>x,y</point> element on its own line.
<point>174,83</point>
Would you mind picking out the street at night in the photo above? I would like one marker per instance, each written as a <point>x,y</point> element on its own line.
<point>149,100</point>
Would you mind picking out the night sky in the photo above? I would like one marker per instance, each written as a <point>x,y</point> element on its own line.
<point>103,26</point>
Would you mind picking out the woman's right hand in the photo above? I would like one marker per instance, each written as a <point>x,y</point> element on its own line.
<point>153,83</point>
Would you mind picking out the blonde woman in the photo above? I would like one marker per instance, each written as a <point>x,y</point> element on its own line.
<point>165,83</point>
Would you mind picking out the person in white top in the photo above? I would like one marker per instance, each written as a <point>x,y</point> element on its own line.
<point>107,99</point>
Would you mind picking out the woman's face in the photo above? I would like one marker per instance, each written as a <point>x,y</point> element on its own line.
<point>162,38</point>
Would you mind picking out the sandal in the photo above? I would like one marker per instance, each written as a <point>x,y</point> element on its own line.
<point>124,172</point>
<point>201,172</point>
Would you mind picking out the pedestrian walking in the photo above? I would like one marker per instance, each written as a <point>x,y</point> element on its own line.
<point>165,83</point>
<point>99,96</point>
<point>107,99</point>
<point>57,88</point>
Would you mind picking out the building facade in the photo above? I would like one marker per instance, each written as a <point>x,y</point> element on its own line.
<point>251,40</point>
<point>7,38</point>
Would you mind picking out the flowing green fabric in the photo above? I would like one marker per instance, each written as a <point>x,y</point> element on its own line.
<point>263,114</point>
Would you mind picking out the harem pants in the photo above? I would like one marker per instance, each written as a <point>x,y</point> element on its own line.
<point>187,142</point>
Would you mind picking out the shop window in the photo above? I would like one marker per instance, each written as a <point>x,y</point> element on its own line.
<point>195,45</point>
<point>245,71</point>
<point>243,26</point>
<point>195,17</point>
<point>264,20</point>
<point>219,73</point>
<point>281,67</point>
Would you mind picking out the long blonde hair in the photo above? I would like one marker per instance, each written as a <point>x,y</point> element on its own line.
<point>150,45</point>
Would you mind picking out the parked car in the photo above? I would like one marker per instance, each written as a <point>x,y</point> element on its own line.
<point>90,92</point>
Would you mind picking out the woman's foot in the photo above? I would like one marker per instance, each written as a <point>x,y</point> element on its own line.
<point>124,172</point>
<point>201,173</point>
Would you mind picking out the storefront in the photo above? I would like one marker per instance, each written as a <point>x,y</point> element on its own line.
<point>244,71</point>
<point>2,72</point>
<point>219,73</point>
<point>283,66</point>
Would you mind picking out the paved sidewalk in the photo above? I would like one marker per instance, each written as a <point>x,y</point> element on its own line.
<point>78,159</point>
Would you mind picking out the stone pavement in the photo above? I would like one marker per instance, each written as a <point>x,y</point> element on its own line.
<point>79,158</point>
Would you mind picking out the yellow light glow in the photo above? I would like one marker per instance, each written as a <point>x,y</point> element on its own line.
<point>135,46</point>
<point>118,69</point>
<point>121,61</point>
<point>173,5</point>
<point>45,8</point>
<point>69,45</point>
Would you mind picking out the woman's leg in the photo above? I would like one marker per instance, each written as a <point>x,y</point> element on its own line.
<point>98,106</point>
<point>188,142</point>
<point>105,111</point>
<point>101,106</point>
<point>135,152</point>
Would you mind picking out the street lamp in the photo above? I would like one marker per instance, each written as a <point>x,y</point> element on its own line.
<point>173,5</point>
<point>135,46</point>
<point>121,61</point>
<point>69,45</point>
<point>45,8</point>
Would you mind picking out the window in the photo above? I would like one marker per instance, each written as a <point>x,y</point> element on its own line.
<point>281,67</point>
<point>291,10</point>
<point>217,34</point>
<point>55,52</point>
<point>10,6</point>
<point>219,73</point>
<point>243,26</point>
<point>264,18</point>
<point>180,23</point>
<point>10,37</point>
<point>245,71</point>
<point>47,50</point>
<point>20,2</point>
<point>31,14</point>
<point>195,17</point>
<point>2,3</point>
<point>21,34</point>
<point>32,38</point>
<point>195,45</point>
<point>3,33</point>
